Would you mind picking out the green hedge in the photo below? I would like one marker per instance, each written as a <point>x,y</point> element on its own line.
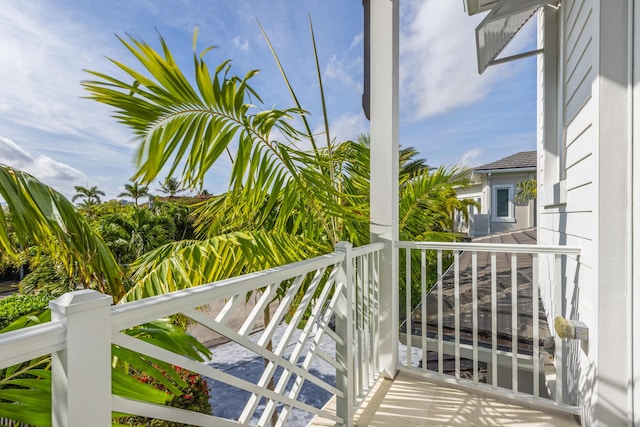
<point>15,306</point>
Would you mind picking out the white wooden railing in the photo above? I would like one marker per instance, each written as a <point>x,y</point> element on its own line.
<point>481,316</point>
<point>480,325</point>
<point>343,286</point>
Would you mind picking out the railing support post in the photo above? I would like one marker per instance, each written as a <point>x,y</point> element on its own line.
<point>345,330</point>
<point>81,373</point>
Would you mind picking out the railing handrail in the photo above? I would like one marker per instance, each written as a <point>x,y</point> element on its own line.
<point>366,249</point>
<point>32,342</point>
<point>134,313</point>
<point>491,247</point>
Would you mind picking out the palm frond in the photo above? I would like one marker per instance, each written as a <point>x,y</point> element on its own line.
<point>25,388</point>
<point>42,217</point>
<point>191,263</point>
<point>178,124</point>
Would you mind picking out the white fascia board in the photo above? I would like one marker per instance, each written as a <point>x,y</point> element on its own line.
<point>494,171</point>
<point>501,24</point>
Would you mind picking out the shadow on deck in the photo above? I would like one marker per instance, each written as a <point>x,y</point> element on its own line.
<point>411,401</point>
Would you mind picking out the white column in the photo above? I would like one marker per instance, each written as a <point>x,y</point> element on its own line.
<point>81,373</point>
<point>611,345</point>
<point>384,37</point>
<point>635,226</point>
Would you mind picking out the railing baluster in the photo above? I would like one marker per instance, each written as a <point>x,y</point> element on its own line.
<point>456,286</point>
<point>494,323</point>
<point>536,327</point>
<point>440,325</point>
<point>372,319</point>
<point>560,344</point>
<point>359,324</point>
<point>408,317</point>
<point>423,304</point>
<point>514,322</point>
<point>474,298</point>
<point>367,319</point>
<point>376,322</point>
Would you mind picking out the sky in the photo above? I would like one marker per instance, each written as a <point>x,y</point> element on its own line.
<point>448,112</point>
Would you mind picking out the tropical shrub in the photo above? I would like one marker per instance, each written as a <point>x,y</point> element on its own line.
<point>194,397</point>
<point>25,388</point>
<point>16,306</point>
<point>134,231</point>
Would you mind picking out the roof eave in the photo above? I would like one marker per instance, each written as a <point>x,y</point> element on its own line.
<point>510,170</point>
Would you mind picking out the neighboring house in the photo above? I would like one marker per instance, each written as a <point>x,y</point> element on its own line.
<point>494,187</point>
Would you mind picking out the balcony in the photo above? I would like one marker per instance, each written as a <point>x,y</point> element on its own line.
<point>475,337</point>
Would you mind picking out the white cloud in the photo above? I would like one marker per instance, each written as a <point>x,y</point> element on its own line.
<point>472,157</point>
<point>41,66</point>
<point>42,167</point>
<point>241,43</point>
<point>344,71</point>
<point>348,127</point>
<point>438,59</point>
<point>357,40</point>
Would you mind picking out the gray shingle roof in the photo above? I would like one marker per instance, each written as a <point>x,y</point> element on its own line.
<point>522,160</point>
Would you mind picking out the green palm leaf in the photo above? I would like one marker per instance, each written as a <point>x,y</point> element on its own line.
<point>44,218</point>
<point>184,264</point>
<point>25,389</point>
<point>178,124</point>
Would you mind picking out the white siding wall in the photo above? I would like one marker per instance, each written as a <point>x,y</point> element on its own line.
<point>582,143</point>
<point>569,217</point>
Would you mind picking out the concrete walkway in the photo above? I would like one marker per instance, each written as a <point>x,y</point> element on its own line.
<point>212,339</point>
<point>407,401</point>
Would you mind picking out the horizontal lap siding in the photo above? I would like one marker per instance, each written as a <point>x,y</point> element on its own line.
<point>574,223</point>
<point>579,220</point>
<point>578,56</point>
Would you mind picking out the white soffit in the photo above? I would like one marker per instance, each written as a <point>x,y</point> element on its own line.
<point>477,6</point>
<point>498,28</point>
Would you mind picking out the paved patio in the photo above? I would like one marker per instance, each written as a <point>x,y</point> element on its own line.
<point>408,401</point>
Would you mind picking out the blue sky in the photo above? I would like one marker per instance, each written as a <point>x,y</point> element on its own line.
<point>448,112</point>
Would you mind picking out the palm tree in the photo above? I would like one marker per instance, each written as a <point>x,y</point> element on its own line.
<point>283,204</point>
<point>46,222</point>
<point>171,186</point>
<point>135,191</point>
<point>134,231</point>
<point>527,190</point>
<point>90,195</point>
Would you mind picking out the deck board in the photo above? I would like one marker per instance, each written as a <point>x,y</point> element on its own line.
<point>408,401</point>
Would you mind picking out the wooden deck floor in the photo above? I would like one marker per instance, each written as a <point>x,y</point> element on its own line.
<point>407,401</point>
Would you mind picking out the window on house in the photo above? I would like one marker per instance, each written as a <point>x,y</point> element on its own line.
<point>503,205</point>
<point>502,202</point>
